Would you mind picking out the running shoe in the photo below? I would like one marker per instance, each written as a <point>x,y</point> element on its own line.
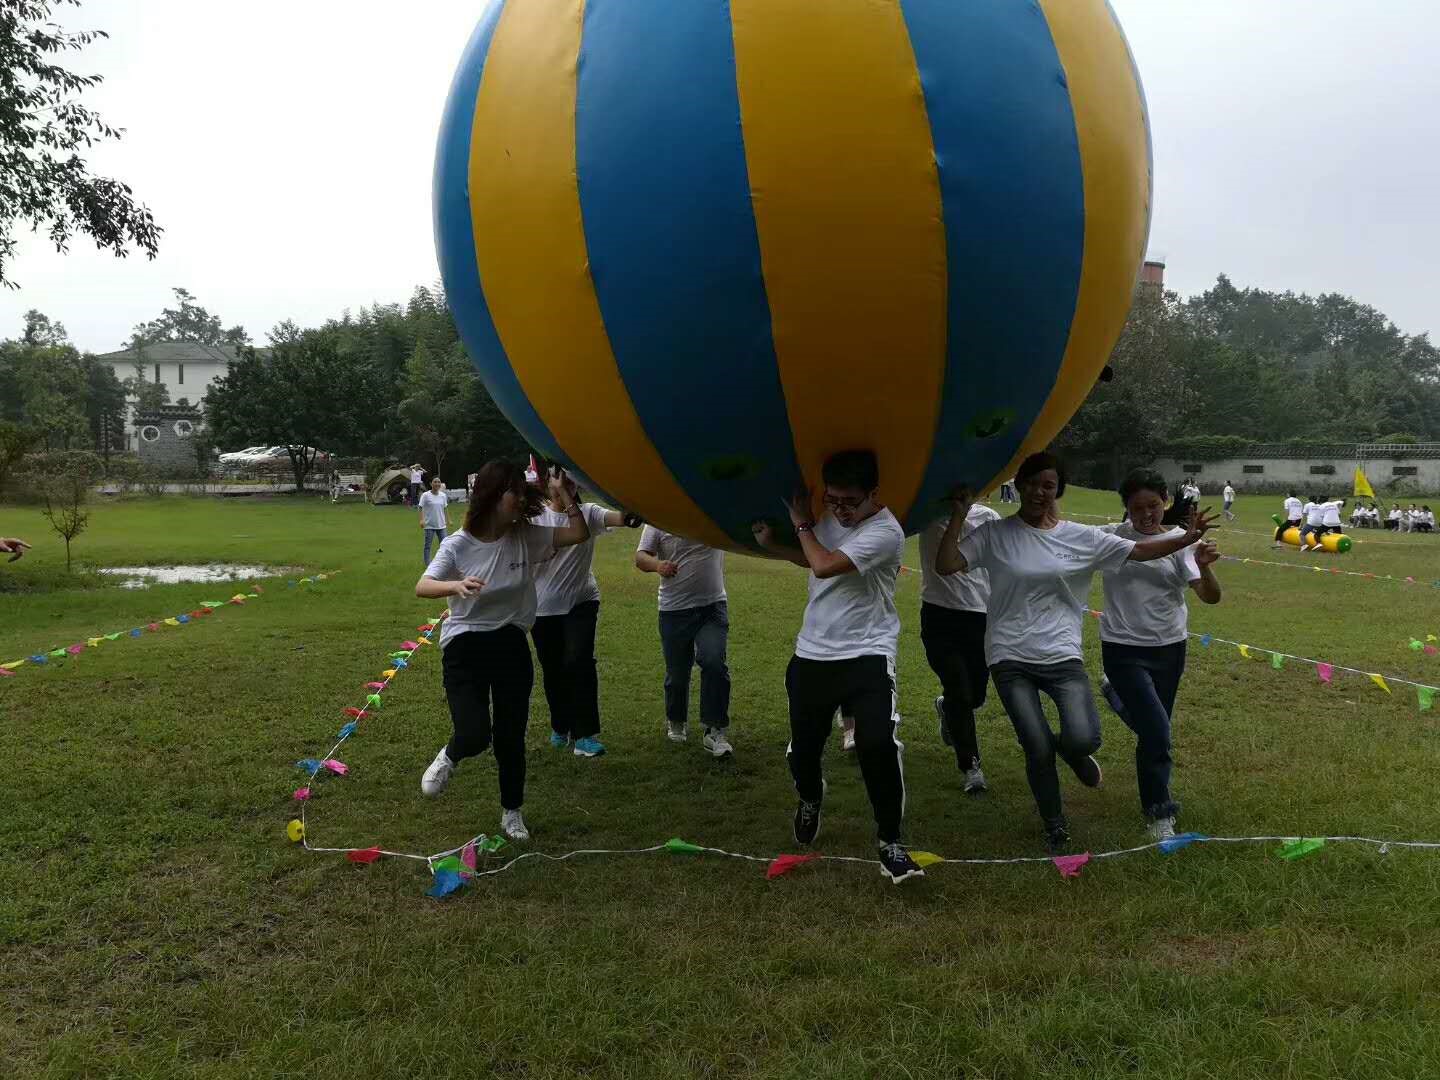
<point>677,732</point>
<point>513,825</point>
<point>589,746</point>
<point>896,863</point>
<point>437,775</point>
<point>944,727</point>
<point>716,742</point>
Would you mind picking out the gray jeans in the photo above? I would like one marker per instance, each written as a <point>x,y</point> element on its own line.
<point>1019,685</point>
<point>690,637</point>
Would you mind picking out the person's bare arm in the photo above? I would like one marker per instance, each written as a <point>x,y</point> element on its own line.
<point>577,530</point>
<point>1196,527</point>
<point>1207,585</point>
<point>765,536</point>
<point>948,559</point>
<point>429,588</point>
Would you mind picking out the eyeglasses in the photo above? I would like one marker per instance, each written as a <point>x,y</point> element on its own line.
<point>835,502</point>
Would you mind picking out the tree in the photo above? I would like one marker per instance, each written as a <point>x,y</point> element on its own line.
<point>15,443</point>
<point>188,321</point>
<point>43,128</point>
<point>302,394</point>
<point>64,481</point>
<point>438,396</point>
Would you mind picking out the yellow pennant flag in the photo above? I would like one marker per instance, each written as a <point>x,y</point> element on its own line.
<point>1245,651</point>
<point>1379,680</point>
<point>172,622</point>
<point>1362,484</point>
<point>94,642</point>
<point>925,858</point>
<point>388,673</point>
<point>12,665</point>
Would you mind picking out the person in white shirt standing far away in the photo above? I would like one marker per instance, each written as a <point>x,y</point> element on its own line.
<point>434,515</point>
<point>1143,631</point>
<point>486,572</point>
<point>1227,496</point>
<point>566,615</point>
<point>845,652</point>
<point>952,629</point>
<point>694,630</point>
<point>1040,569</point>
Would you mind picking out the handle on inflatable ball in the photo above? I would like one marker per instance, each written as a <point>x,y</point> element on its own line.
<point>1276,518</point>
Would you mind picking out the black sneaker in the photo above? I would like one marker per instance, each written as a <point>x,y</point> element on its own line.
<point>1057,833</point>
<point>896,863</point>
<point>1087,771</point>
<point>807,822</point>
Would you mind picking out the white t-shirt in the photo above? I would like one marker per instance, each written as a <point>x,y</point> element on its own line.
<point>1395,514</point>
<point>1145,601</point>
<point>507,567</point>
<point>1331,513</point>
<point>1039,585</point>
<point>1294,509</point>
<point>432,510</point>
<point>567,580</point>
<point>1314,513</point>
<point>853,615</point>
<point>417,476</point>
<point>959,592</point>
<point>700,579</point>
<point>1229,493</point>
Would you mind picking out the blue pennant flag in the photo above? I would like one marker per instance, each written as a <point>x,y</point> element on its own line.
<point>347,730</point>
<point>1205,640</point>
<point>446,882</point>
<point>309,764</point>
<point>1175,843</point>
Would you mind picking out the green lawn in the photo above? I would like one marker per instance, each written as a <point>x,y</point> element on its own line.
<point>154,920</point>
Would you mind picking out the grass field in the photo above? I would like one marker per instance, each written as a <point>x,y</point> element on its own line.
<point>155,922</point>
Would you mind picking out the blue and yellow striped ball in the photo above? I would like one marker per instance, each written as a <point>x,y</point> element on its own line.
<point>696,246</point>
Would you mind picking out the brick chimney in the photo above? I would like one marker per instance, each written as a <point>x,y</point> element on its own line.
<point>1152,275</point>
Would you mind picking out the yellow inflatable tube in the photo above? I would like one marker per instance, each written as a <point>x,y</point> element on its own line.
<point>1332,542</point>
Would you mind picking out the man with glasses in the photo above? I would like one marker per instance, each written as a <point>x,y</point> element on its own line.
<point>845,653</point>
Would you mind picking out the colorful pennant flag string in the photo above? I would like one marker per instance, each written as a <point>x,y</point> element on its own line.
<point>184,619</point>
<point>1325,671</point>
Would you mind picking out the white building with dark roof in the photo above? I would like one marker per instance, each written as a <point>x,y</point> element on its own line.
<point>187,368</point>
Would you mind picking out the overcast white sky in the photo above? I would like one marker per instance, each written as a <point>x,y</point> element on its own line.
<point>286,147</point>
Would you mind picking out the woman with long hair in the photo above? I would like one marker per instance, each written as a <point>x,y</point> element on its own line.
<point>1040,568</point>
<point>1143,631</point>
<point>486,572</point>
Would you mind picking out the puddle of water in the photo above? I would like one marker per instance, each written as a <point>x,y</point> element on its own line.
<point>142,577</point>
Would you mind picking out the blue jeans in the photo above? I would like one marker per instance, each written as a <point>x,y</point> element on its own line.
<point>1147,678</point>
<point>693,636</point>
<point>1019,685</point>
<point>436,535</point>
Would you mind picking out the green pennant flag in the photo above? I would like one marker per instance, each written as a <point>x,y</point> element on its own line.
<point>1277,661</point>
<point>373,700</point>
<point>1427,697</point>
<point>491,844</point>
<point>57,652</point>
<point>677,846</point>
<point>112,637</point>
<point>1298,849</point>
<point>450,862</point>
<point>1416,645</point>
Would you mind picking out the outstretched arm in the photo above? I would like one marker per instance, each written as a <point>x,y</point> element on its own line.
<point>577,531</point>
<point>948,559</point>
<point>1198,524</point>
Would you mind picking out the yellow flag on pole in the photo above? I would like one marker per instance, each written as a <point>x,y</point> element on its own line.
<point>1362,484</point>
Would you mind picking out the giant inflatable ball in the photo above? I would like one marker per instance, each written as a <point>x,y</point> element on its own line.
<point>696,246</point>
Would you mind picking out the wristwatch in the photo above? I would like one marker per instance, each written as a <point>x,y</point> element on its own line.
<point>804,526</point>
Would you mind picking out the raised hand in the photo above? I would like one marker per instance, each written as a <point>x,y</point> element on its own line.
<point>1198,523</point>
<point>1206,552</point>
<point>763,533</point>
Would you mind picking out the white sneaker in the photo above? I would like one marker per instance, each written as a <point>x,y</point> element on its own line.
<point>677,732</point>
<point>513,825</point>
<point>716,742</point>
<point>1162,828</point>
<point>975,781</point>
<point>944,727</point>
<point>847,743</point>
<point>437,775</point>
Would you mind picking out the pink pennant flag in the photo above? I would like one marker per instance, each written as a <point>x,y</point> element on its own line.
<point>1325,671</point>
<point>5,671</point>
<point>339,768</point>
<point>1070,865</point>
<point>783,864</point>
<point>1409,581</point>
<point>410,645</point>
<point>467,854</point>
<point>301,794</point>
<point>365,855</point>
<point>1430,650</point>
<point>374,686</point>
<point>75,650</point>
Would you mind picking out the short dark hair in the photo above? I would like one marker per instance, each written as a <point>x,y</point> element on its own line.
<point>858,469</point>
<point>1038,463</point>
<point>1138,480</point>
